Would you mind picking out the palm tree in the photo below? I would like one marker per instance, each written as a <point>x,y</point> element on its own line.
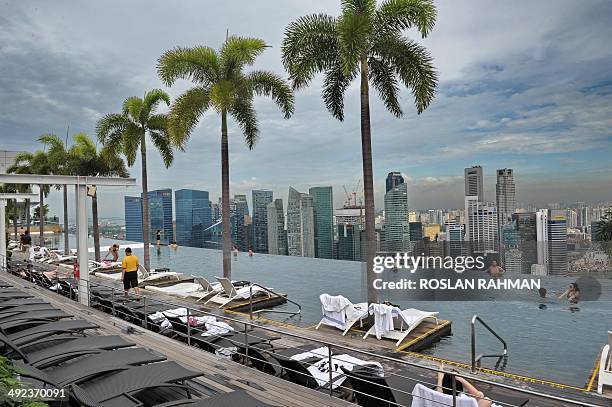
<point>83,158</point>
<point>34,163</point>
<point>223,86</point>
<point>604,227</point>
<point>126,132</point>
<point>365,41</point>
<point>56,151</point>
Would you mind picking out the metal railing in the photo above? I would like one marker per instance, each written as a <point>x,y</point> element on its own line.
<point>251,354</point>
<point>476,359</point>
<point>251,312</point>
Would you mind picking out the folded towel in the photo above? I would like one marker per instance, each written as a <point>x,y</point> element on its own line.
<point>217,328</point>
<point>322,352</point>
<point>425,397</point>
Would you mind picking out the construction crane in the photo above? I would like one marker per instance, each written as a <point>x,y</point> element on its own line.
<point>351,198</point>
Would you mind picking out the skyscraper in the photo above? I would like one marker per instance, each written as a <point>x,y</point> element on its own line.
<point>193,217</point>
<point>277,235</point>
<point>397,227</point>
<point>481,226</point>
<point>240,226</point>
<point>542,241</point>
<point>324,221</point>
<point>261,199</point>
<point>133,218</point>
<point>505,195</point>
<point>526,226</point>
<point>557,242</point>
<point>474,182</point>
<point>349,242</point>
<point>393,180</point>
<point>455,236</point>
<point>300,224</point>
<point>160,214</point>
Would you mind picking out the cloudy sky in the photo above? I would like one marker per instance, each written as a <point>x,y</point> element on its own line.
<point>525,85</point>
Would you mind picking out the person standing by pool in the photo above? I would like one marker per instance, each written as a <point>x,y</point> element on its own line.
<point>27,241</point>
<point>113,251</point>
<point>129,272</point>
<point>158,237</point>
<point>572,294</point>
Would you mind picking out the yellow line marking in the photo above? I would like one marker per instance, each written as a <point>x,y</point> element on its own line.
<point>594,374</point>
<point>422,336</point>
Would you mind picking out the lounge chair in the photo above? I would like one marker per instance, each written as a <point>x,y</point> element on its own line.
<point>31,318</point>
<point>37,306</point>
<point>49,330</point>
<point>232,399</point>
<point>605,366</point>
<point>146,276</point>
<point>206,291</point>
<point>374,390</point>
<point>230,292</point>
<point>89,366</point>
<point>340,313</point>
<point>409,319</point>
<point>18,302</point>
<point>118,389</point>
<point>9,295</point>
<point>61,352</point>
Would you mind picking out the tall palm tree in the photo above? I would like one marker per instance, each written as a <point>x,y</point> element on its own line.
<point>365,41</point>
<point>223,86</point>
<point>83,158</point>
<point>126,132</point>
<point>34,163</point>
<point>604,227</point>
<point>57,154</point>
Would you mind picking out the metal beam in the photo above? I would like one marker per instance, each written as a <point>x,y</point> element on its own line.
<point>4,196</point>
<point>65,180</point>
<point>80,192</point>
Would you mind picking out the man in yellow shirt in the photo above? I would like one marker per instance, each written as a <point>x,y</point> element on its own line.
<point>129,272</point>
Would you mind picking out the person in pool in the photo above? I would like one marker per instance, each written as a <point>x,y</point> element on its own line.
<point>445,385</point>
<point>495,270</point>
<point>572,293</point>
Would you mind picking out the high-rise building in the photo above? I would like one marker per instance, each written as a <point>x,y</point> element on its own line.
<point>572,219</point>
<point>393,180</point>
<point>474,182</point>
<point>397,227</point>
<point>481,226</point>
<point>300,224</point>
<point>277,235</point>
<point>542,241</point>
<point>193,217</point>
<point>133,218</point>
<point>240,235</point>
<point>505,195</point>
<point>455,237</point>
<point>350,215</point>
<point>416,231</point>
<point>432,230</point>
<point>160,214</point>
<point>526,227</point>
<point>584,216</point>
<point>349,242</point>
<point>557,242</point>
<point>324,221</point>
<point>261,199</point>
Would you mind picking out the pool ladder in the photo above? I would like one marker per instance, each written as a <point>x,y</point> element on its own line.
<point>251,312</point>
<point>503,357</point>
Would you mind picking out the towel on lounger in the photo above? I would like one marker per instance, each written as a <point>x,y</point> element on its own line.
<point>383,318</point>
<point>425,397</point>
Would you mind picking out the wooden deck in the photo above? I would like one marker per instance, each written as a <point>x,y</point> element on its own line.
<point>219,374</point>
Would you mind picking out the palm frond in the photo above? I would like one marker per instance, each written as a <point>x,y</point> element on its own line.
<point>394,16</point>
<point>367,7</point>
<point>110,127</point>
<point>354,30</point>
<point>334,86</point>
<point>161,141</point>
<point>238,52</point>
<point>243,112</point>
<point>264,83</point>
<point>383,78</point>
<point>185,113</point>
<point>310,46</point>
<point>199,64</point>
<point>152,99</point>
<point>130,142</point>
<point>412,63</point>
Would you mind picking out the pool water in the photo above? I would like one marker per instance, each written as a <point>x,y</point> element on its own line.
<point>556,343</point>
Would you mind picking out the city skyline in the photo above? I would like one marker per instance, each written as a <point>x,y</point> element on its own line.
<point>535,101</point>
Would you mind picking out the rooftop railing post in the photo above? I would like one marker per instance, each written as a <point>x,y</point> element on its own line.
<point>454,390</point>
<point>473,344</point>
<point>329,367</point>
<point>113,300</point>
<point>146,314</point>
<point>188,328</point>
<point>246,345</point>
<point>251,302</point>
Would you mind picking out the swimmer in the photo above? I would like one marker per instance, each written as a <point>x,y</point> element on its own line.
<point>495,271</point>
<point>572,293</point>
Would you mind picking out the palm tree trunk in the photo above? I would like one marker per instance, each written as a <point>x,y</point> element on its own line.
<point>41,217</point>
<point>15,223</point>
<point>225,209</point>
<point>145,201</point>
<point>368,182</point>
<point>95,227</point>
<point>66,240</point>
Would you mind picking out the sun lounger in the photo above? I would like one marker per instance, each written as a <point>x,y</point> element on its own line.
<point>9,295</point>
<point>90,366</point>
<point>117,389</point>
<point>409,319</point>
<point>49,330</point>
<point>605,366</point>
<point>372,389</point>
<point>144,276</point>
<point>40,306</point>
<point>230,292</point>
<point>61,352</point>
<point>29,319</point>
<point>232,399</point>
<point>18,302</point>
<point>340,313</point>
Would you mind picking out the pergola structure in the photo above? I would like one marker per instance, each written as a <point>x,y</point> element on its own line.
<point>3,198</point>
<point>80,184</point>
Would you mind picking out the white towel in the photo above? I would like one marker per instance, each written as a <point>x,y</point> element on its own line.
<point>217,328</point>
<point>322,352</point>
<point>334,307</point>
<point>425,397</point>
<point>383,318</point>
<point>320,370</point>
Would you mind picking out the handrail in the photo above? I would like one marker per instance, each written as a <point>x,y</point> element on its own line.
<point>404,362</point>
<point>476,359</point>
<point>299,311</point>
